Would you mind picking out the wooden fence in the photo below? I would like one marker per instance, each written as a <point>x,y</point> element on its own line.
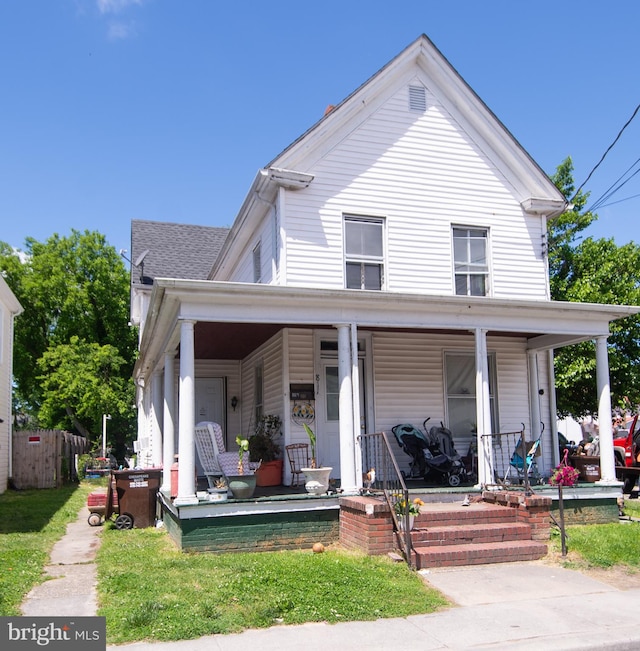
<point>45,458</point>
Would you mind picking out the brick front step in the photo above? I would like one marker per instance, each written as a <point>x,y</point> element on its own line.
<point>491,532</point>
<point>478,554</point>
<point>441,515</point>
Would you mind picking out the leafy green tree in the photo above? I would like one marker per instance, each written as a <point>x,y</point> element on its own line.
<point>593,271</point>
<point>75,295</point>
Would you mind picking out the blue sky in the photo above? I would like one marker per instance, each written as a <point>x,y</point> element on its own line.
<point>114,110</point>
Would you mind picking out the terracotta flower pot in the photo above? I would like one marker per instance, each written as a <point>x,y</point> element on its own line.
<point>269,473</point>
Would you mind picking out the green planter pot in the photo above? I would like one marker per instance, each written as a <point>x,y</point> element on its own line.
<point>242,486</point>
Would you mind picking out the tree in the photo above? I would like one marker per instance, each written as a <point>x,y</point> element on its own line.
<point>593,271</point>
<point>74,331</point>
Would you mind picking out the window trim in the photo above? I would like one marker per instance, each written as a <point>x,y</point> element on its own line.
<point>492,365</point>
<point>470,273</point>
<point>380,261</point>
<point>257,262</point>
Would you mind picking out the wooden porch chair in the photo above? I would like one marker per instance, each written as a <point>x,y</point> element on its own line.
<point>298,455</point>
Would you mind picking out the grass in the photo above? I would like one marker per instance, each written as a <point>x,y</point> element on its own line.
<point>31,521</point>
<point>605,545</point>
<point>149,590</point>
<point>160,593</point>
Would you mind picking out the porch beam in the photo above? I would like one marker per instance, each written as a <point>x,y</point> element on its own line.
<point>605,428</point>
<point>186,422</point>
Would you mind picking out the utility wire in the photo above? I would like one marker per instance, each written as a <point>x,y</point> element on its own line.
<point>613,203</point>
<point>614,187</point>
<point>605,153</point>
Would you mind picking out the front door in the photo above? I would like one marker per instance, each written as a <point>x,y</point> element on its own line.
<point>328,420</point>
<point>209,396</point>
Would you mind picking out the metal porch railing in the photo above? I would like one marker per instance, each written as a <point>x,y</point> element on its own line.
<point>389,482</point>
<point>514,460</point>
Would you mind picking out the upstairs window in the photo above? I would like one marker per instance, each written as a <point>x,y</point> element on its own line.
<point>470,261</point>
<point>257,264</point>
<point>364,252</point>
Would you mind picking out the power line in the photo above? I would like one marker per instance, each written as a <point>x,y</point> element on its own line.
<point>609,148</point>
<point>613,203</point>
<point>614,187</point>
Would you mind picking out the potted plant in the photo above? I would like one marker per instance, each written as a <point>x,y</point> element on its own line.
<point>411,509</point>
<point>218,492</point>
<point>265,449</point>
<point>317,477</point>
<point>243,484</point>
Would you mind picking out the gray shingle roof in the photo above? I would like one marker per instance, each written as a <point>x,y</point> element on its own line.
<point>174,250</point>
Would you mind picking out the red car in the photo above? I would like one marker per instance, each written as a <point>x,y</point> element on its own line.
<point>626,447</point>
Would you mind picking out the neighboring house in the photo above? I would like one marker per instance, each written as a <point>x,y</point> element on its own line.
<point>9,309</point>
<point>392,261</point>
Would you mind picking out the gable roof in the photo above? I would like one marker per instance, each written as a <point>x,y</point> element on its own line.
<point>173,250</point>
<point>292,168</point>
<point>459,99</point>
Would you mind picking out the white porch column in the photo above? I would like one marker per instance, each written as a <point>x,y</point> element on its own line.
<point>347,438</point>
<point>553,410</point>
<point>534,400</point>
<point>168,438</point>
<point>605,428</point>
<point>357,409</point>
<point>483,410</point>
<point>186,423</point>
<point>156,419</point>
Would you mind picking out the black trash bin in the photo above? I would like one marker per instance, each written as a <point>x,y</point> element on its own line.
<point>137,492</point>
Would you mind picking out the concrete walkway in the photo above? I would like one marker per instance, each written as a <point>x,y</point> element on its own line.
<point>72,587</point>
<point>528,606</point>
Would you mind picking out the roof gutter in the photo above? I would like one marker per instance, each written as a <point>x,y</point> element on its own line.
<point>262,190</point>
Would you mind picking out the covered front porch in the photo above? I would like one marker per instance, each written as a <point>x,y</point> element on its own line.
<point>191,326</point>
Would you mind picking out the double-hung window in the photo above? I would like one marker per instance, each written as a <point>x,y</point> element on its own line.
<point>257,263</point>
<point>364,252</point>
<point>470,261</point>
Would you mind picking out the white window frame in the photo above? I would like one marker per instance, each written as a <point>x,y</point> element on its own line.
<point>258,390</point>
<point>468,391</point>
<point>257,263</point>
<point>363,259</point>
<point>467,269</point>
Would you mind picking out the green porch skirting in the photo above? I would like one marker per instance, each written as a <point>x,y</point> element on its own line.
<point>254,532</point>
<point>588,511</point>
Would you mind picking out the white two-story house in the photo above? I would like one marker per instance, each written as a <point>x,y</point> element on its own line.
<point>9,309</point>
<point>388,266</point>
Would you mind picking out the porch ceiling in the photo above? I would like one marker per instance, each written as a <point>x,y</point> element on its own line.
<point>227,341</point>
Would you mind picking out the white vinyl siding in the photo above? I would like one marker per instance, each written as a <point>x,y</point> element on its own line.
<point>409,381</point>
<point>424,174</point>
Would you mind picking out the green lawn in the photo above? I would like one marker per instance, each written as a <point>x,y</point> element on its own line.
<point>606,545</point>
<point>150,590</point>
<point>31,521</point>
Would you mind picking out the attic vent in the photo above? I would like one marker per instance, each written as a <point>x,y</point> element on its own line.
<point>417,98</point>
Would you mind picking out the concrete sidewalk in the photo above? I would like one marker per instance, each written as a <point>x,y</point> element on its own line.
<point>503,607</point>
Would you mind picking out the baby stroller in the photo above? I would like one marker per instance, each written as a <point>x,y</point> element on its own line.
<point>426,458</point>
<point>523,463</point>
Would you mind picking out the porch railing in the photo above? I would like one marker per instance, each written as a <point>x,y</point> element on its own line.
<point>513,462</point>
<point>389,481</point>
